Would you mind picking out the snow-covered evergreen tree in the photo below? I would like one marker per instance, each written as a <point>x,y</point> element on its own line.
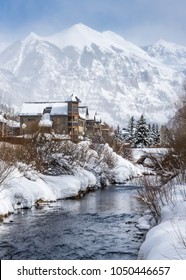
<point>141,135</point>
<point>118,133</point>
<point>154,134</point>
<point>151,134</point>
<point>158,135</point>
<point>131,131</point>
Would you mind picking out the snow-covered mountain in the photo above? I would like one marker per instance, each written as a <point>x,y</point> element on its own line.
<point>3,46</point>
<point>111,75</point>
<point>171,54</point>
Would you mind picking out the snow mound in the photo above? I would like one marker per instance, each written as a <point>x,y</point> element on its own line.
<point>167,239</point>
<point>23,192</point>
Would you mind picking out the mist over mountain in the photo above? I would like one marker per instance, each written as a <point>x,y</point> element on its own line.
<point>111,75</point>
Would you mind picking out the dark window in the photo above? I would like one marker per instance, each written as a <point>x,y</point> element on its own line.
<point>47,110</point>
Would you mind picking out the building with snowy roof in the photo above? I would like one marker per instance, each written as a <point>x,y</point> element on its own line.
<point>62,118</point>
<point>47,116</point>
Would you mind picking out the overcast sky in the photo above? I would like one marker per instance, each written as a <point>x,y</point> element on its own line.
<point>139,21</point>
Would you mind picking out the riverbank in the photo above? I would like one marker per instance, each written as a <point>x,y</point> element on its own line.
<point>21,192</point>
<point>167,240</point>
<point>24,187</point>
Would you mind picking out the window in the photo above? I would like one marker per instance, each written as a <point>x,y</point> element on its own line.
<point>47,110</point>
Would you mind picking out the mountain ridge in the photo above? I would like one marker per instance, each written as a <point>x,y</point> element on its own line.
<point>108,73</point>
<point>168,53</point>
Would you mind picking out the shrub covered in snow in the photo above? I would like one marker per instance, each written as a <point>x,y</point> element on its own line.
<point>52,170</point>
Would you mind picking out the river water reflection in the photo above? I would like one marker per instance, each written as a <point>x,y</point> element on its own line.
<point>102,225</point>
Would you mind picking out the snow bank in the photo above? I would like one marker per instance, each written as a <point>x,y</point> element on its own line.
<point>23,192</point>
<point>24,188</point>
<point>167,239</point>
<point>109,164</point>
<point>63,186</point>
<point>125,170</point>
<point>86,177</point>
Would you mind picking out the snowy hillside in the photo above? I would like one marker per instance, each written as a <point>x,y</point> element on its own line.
<point>168,53</point>
<point>111,75</point>
<point>3,46</point>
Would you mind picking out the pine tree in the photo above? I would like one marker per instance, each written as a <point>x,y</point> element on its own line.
<point>141,136</point>
<point>152,134</point>
<point>131,125</point>
<point>157,134</point>
<point>131,130</point>
<point>118,133</point>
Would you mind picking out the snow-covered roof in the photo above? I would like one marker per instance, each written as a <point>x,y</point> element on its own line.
<point>10,123</point>
<point>83,112</point>
<point>73,98</point>
<point>13,124</point>
<point>59,109</point>
<point>94,116</point>
<point>2,119</point>
<point>37,108</point>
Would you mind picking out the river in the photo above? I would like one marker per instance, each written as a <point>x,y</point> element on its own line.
<point>101,225</point>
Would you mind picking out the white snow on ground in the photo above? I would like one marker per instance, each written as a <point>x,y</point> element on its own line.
<point>167,240</point>
<point>144,222</point>
<point>23,189</point>
<point>125,170</point>
<point>137,153</point>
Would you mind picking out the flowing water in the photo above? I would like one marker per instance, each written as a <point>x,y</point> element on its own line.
<point>102,225</point>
